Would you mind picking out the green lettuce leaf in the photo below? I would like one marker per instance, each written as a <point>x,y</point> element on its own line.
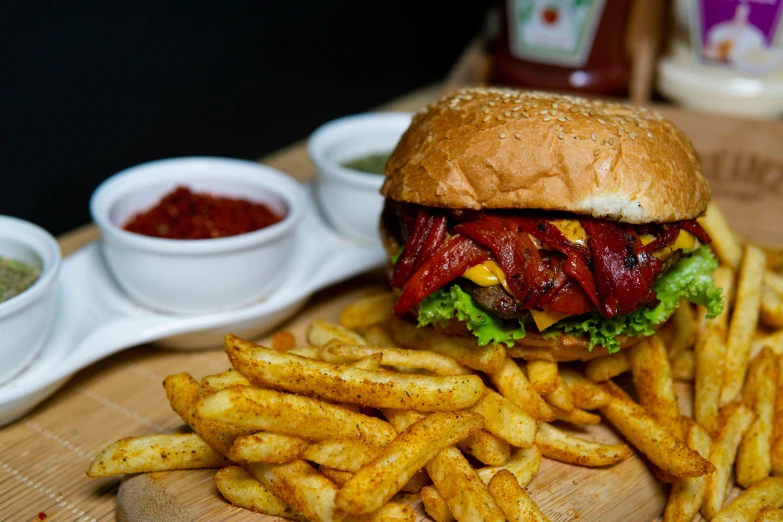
<point>689,279</point>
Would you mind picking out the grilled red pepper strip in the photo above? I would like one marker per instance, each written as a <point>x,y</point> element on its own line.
<point>450,261</point>
<point>665,236</point>
<point>695,228</point>
<point>404,266</point>
<point>571,299</point>
<point>435,238</point>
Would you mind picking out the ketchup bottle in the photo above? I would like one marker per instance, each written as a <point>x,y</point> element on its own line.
<point>563,45</point>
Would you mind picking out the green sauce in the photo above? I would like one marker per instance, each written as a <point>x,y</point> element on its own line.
<point>15,277</point>
<point>372,163</point>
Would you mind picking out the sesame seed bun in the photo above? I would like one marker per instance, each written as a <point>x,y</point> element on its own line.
<point>489,148</point>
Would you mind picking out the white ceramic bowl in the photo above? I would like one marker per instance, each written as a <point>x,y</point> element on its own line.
<point>350,200</point>
<point>26,319</point>
<point>201,275</point>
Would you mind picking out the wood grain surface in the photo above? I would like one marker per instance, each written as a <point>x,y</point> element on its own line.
<point>44,455</point>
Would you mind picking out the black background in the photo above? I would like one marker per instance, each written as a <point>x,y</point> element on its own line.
<point>90,88</point>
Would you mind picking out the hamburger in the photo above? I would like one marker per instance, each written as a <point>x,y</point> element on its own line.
<point>562,227</point>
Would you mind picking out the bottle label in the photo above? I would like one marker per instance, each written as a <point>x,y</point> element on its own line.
<point>740,33</point>
<point>555,32</point>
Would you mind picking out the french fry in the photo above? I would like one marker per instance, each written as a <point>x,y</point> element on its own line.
<point>155,453</point>
<point>743,322</point>
<point>608,367</point>
<point>341,454</point>
<point>725,280</point>
<point>506,420</point>
<point>435,505</point>
<point>559,445</point>
<point>378,335</point>
<point>585,393</point>
<point>724,242</point>
<point>464,350</point>
<point>292,373</point>
<point>269,448</point>
<point>684,330</point>
<point>378,481</point>
<point>222,380</point>
<point>771,309</point>
<point>338,476</point>
<point>389,512</point>
<point>283,341</point>
<point>240,488</point>
<point>651,438</point>
<point>466,495</point>
<point>776,452</point>
<point>770,514</point>
<point>561,396</point>
<point>433,362</point>
<point>710,355</point>
<point>753,456</point>
<point>684,366</point>
<point>183,393</point>
<point>368,311</point>
<point>486,448</point>
<point>301,487</point>
<point>686,494</point>
<point>524,464</point>
<point>321,332</point>
<point>745,508</point>
<point>512,499</point>
<point>773,280</point>
<point>542,376</point>
<point>269,410</point>
<point>773,340</point>
<point>311,352</point>
<point>576,416</point>
<point>371,362</point>
<point>512,384</point>
<point>653,381</point>
<point>735,418</point>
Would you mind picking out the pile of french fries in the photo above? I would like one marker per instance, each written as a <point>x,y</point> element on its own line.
<point>373,409</point>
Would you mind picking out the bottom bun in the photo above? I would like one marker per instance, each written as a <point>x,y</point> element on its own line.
<point>534,346</point>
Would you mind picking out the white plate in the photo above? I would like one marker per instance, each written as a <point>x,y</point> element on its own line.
<point>96,319</point>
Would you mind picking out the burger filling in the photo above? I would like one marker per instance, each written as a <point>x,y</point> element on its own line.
<point>501,272</point>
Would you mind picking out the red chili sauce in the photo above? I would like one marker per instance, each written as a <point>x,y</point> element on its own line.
<point>184,214</point>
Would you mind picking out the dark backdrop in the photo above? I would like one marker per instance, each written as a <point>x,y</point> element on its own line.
<point>90,88</point>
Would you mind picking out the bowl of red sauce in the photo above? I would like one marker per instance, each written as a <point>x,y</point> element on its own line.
<point>198,235</point>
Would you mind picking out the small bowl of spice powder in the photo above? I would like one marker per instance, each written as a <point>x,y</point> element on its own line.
<point>29,268</point>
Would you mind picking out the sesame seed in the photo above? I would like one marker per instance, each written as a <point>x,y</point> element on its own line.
<point>603,142</point>
<point>561,135</point>
<point>596,152</point>
<point>507,114</point>
<point>593,136</point>
<point>545,111</point>
<point>517,135</point>
<point>487,118</point>
<point>650,135</point>
<point>611,141</point>
<point>619,131</point>
<point>554,105</point>
<point>633,136</point>
<point>547,118</point>
<point>601,121</point>
<point>491,104</point>
<point>499,117</point>
<point>486,111</point>
<point>560,118</point>
<point>554,112</point>
<point>502,135</point>
<point>515,109</point>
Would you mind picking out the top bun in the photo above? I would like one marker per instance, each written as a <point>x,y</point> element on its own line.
<point>490,148</point>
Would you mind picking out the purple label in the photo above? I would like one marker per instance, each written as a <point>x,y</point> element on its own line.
<point>736,31</point>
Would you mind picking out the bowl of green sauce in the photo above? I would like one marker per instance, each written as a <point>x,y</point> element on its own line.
<point>350,154</point>
<point>29,267</point>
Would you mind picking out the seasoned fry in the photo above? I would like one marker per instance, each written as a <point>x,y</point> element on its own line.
<point>767,492</point>
<point>653,381</point>
<point>415,359</point>
<point>770,514</point>
<point>686,494</point>
<point>743,322</point>
<point>773,280</point>
<point>311,419</point>
<point>561,396</point>
<point>371,362</point>
<point>559,445</point>
<point>776,452</point>
<point>464,350</point>
<point>585,393</point>
<point>684,366</point>
<point>685,331</point>
<point>283,341</point>
<point>466,495</point>
<point>735,418</point>
<point>379,389</point>
<point>311,352</point>
<point>301,487</point>
<point>651,438</point>
<point>771,309</point>
<point>240,488</point>
<point>368,311</point>
<point>378,335</point>
<point>182,391</point>
<point>155,453</point>
<point>608,367</point>
<point>376,482</point>
<point>725,280</point>
<point>341,454</point>
<point>222,380</point>
<point>773,340</point>
<point>338,476</point>
<point>435,505</point>
<point>576,416</point>
<point>506,420</point>
<point>269,448</point>
<point>524,464</point>
<point>321,332</point>
<point>724,242</point>
<point>512,384</point>
<point>486,448</point>
<point>512,499</point>
<point>389,512</point>
<point>710,361</point>
<point>542,376</point>
<point>753,456</point>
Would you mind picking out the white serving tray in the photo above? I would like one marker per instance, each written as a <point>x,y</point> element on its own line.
<point>96,318</point>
